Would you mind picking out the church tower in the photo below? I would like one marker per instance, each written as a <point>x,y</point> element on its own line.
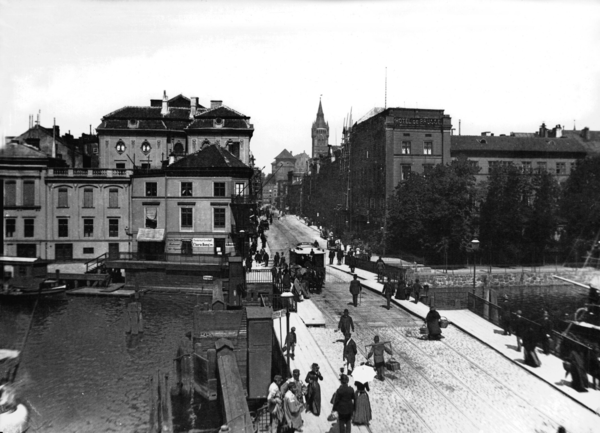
<point>320,134</point>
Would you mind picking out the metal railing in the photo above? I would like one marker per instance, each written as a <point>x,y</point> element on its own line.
<point>201,259</point>
<point>259,276</point>
<point>561,345</point>
<point>89,172</point>
<point>93,264</point>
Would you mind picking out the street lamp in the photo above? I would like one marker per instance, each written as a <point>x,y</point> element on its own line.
<point>474,247</point>
<point>287,296</point>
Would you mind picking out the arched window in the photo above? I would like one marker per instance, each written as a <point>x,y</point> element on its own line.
<point>178,148</point>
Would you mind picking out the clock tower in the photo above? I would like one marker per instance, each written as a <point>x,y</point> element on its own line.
<point>320,134</point>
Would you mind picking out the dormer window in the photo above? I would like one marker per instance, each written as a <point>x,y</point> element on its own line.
<point>133,123</point>
<point>146,148</point>
<point>218,123</point>
<point>205,142</point>
<point>120,147</point>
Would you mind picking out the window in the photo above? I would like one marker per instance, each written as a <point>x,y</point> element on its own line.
<point>63,228</point>
<point>526,165</point>
<point>239,188</point>
<point>120,147</point>
<point>88,227</point>
<point>542,166</point>
<point>151,190</point>
<point>187,218</point>
<point>145,166</point>
<point>186,248</point>
<point>146,147</point>
<point>29,193</point>
<point>427,135</point>
<point>113,198</point>
<point>219,189</point>
<point>186,189</point>
<point>113,227</point>
<point>219,217</point>
<point>151,217</point>
<point>120,166</point>
<point>405,172</point>
<point>28,227</point>
<point>406,134</point>
<point>428,148</point>
<point>88,250</point>
<point>10,189</point>
<point>561,168</point>
<point>11,227</point>
<point>178,148</point>
<point>88,197</point>
<point>406,148</point>
<point>63,197</point>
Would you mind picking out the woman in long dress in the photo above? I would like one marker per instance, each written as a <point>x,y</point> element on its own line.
<point>313,392</point>
<point>529,343</point>
<point>362,404</point>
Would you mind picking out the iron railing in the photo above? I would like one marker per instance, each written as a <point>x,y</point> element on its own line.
<point>200,259</point>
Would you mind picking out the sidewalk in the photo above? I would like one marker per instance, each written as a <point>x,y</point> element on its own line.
<point>551,370</point>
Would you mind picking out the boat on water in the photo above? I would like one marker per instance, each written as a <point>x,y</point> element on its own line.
<point>26,278</point>
<point>586,320</point>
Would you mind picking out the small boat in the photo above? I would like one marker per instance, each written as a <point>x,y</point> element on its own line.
<point>48,289</point>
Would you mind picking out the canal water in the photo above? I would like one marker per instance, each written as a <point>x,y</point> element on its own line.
<point>81,372</point>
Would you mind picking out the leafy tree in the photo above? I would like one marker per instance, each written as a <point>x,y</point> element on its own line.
<point>580,208</point>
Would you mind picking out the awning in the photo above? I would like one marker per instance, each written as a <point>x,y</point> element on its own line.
<point>151,235</point>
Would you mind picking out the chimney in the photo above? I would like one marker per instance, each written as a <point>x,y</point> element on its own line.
<point>171,158</point>
<point>193,106</point>
<point>215,104</point>
<point>557,131</point>
<point>543,130</point>
<point>165,104</point>
<point>585,133</point>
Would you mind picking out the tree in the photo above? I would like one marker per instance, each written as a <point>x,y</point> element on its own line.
<point>580,208</point>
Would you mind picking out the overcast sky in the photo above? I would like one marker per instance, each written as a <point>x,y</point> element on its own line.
<point>499,66</point>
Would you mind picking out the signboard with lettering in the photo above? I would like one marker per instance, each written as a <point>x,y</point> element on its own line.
<point>203,242</point>
<point>278,314</point>
<point>426,122</point>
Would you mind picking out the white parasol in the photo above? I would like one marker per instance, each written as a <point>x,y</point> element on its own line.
<point>363,373</point>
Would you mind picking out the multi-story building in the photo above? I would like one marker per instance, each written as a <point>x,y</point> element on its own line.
<point>385,147</point>
<point>146,136</point>
<point>320,134</point>
<point>49,141</point>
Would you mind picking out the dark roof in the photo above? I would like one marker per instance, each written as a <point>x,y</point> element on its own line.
<point>18,150</point>
<point>138,113</point>
<point>592,145</point>
<point>223,112</point>
<point>227,123</point>
<point>285,155</point>
<point>478,143</point>
<point>213,156</point>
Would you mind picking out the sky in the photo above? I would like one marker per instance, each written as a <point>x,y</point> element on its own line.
<point>500,66</point>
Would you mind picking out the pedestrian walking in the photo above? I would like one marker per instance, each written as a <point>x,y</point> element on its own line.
<point>380,269</point>
<point>401,291</point>
<point>506,316</point>
<point>293,409</point>
<point>362,405</point>
<point>313,390</point>
<point>355,289</point>
<point>340,256</point>
<point>286,280</point>
<point>377,352</point>
<point>265,259</point>
<point>346,324</point>
<point>274,275</point>
<point>263,240</point>
<point>546,337</point>
<point>518,324</point>
<point>350,352</point>
<point>529,343</point>
<point>300,386</point>
<point>290,342</point>
<point>331,256</point>
<point>275,400</point>
<point>417,290</point>
<point>276,259</point>
<point>258,257</point>
<point>249,262</point>
<point>343,404</point>
<point>282,261</point>
<point>388,292</point>
<point>351,259</point>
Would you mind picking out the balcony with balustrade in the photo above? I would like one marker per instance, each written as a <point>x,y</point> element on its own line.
<point>89,172</point>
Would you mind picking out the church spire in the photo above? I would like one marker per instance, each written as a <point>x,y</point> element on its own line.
<point>320,110</point>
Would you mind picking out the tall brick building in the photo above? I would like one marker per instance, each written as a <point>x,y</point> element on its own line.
<point>320,134</point>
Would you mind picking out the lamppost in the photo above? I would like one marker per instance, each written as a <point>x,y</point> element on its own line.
<point>287,296</point>
<point>474,247</point>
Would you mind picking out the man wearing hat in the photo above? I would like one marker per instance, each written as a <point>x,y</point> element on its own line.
<point>290,342</point>
<point>506,316</point>
<point>350,353</point>
<point>355,289</point>
<point>346,324</point>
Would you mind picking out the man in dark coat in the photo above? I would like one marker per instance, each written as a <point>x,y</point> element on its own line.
<point>355,289</point>
<point>517,327</point>
<point>380,264</point>
<point>351,260</point>
<point>290,342</point>
<point>340,256</point>
<point>433,324</point>
<point>249,262</point>
<point>417,290</point>
<point>546,337</point>
<point>346,324</point>
<point>265,259</point>
<point>506,316</point>
<point>350,352</point>
<point>331,256</point>
<point>343,404</point>
<point>276,259</point>
<point>388,292</point>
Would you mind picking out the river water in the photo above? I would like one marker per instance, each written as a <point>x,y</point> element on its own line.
<point>82,373</point>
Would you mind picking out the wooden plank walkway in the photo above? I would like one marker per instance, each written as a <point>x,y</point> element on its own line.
<point>310,313</point>
<point>308,351</point>
<point>98,291</point>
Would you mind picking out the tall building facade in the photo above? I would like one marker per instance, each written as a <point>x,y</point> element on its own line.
<point>320,134</point>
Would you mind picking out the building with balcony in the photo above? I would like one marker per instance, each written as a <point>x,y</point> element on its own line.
<point>145,136</point>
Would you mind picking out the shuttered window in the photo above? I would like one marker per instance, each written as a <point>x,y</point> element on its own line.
<point>88,197</point>
<point>29,193</point>
<point>10,190</point>
<point>63,197</point>
<point>113,197</point>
